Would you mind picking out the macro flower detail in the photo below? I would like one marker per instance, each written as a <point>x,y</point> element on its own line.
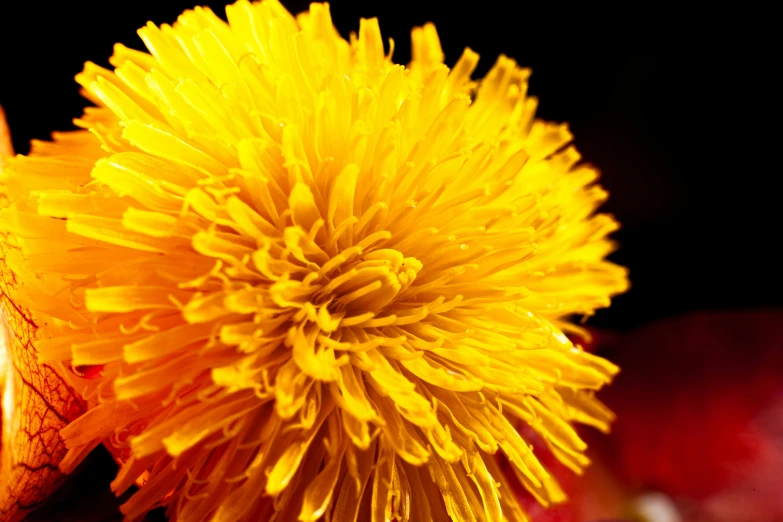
<point>317,284</point>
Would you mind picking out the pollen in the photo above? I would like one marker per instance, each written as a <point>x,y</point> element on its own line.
<point>319,285</point>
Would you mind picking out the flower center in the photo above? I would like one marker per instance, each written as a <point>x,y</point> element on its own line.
<point>371,283</point>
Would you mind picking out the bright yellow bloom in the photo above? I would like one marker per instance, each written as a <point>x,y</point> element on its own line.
<point>321,284</point>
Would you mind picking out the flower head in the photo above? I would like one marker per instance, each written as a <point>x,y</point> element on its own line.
<point>319,284</point>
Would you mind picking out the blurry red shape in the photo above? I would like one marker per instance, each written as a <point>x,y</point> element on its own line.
<point>700,411</point>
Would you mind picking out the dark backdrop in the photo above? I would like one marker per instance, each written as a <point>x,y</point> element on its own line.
<point>671,105</point>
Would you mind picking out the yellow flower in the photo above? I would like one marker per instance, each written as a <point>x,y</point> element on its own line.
<point>321,284</point>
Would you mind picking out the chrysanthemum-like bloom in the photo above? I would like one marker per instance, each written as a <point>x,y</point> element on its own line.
<point>319,284</point>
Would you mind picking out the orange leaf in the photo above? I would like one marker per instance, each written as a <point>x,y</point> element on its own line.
<point>36,403</point>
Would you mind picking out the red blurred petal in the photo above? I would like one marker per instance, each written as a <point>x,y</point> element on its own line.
<point>689,401</point>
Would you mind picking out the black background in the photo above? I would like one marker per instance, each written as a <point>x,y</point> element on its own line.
<point>672,106</point>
